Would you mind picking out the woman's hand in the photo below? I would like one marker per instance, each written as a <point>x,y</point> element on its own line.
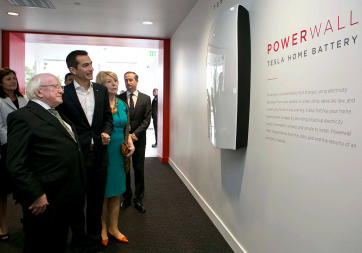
<point>131,149</point>
<point>130,146</point>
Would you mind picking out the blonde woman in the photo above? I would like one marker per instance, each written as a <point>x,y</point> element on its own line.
<point>118,165</point>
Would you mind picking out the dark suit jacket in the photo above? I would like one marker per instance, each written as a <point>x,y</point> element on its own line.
<point>43,157</point>
<point>101,123</point>
<point>141,117</point>
<point>154,108</point>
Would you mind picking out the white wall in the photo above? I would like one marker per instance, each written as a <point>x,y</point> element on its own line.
<point>297,196</point>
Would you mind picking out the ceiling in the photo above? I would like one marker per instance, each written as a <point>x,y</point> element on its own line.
<point>100,17</point>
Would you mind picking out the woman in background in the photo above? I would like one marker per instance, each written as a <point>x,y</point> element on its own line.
<point>10,100</point>
<point>118,165</point>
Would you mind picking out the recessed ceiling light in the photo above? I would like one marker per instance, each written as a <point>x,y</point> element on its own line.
<point>13,13</point>
<point>147,23</point>
<point>232,8</point>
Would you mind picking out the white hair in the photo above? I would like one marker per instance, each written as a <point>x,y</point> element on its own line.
<point>33,85</point>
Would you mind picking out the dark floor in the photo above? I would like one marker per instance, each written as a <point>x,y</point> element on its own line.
<point>173,222</point>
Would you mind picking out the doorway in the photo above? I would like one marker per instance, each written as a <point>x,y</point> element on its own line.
<point>14,56</point>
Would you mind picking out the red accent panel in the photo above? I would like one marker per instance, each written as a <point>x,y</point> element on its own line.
<point>17,59</point>
<point>163,116</point>
<point>13,56</point>
<point>5,51</point>
<point>163,159</point>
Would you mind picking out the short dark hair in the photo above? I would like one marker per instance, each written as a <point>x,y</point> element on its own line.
<point>4,72</point>
<point>130,72</point>
<point>69,74</point>
<point>71,58</point>
<point>155,89</point>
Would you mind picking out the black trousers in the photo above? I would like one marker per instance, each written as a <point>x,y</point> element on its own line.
<point>96,186</point>
<point>6,186</point>
<point>48,232</point>
<point>138,164</point>
<point>155,127</point>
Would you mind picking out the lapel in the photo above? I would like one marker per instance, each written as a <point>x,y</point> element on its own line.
<point>74,97</point>
<point>22,102</point>
<point>10,103</point>
<point>98,100</point>
<point>47,116</point>
<point>71,125</point>
<point>138,103</point>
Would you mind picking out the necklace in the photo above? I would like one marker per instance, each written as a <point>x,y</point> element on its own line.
<point>113,108</point>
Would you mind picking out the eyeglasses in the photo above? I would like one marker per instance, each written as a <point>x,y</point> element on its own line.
<point>55,87</point>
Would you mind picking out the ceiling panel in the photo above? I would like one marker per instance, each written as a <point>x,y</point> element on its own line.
<point>100,17</point>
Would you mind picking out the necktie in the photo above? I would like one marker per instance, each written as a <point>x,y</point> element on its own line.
<point>56,114</point>
<point>131,104</point>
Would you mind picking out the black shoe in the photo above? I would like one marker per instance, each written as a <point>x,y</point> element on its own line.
<point>124,205</point>
<point>6,237</point>
<point>154,145</point>
<point>139,206</point>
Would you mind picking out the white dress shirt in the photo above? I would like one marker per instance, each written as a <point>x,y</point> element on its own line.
<point>47,107</point>
<point>86,99</point>
<point>134,97</point>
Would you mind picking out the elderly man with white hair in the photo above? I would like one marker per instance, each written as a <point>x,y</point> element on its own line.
<point>45,163</point>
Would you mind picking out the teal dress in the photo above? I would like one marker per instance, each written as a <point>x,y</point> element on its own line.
<point>116,178</point>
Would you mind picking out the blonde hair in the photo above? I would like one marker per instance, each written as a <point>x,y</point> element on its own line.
<point>102,77</point>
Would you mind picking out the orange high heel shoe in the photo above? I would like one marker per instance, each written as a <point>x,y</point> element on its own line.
<point>123,239</point>
<point>105,242</point>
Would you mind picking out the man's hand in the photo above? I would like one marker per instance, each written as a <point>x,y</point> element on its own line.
<point>39,205</point>
<point>105,138</point>
<point>134,138</point>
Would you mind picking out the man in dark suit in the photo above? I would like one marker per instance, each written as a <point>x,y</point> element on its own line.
<point>69,78</point>
<point>140,115</point>
<point>86,104</point>
<point>154,113</point>
<point>45,163</point>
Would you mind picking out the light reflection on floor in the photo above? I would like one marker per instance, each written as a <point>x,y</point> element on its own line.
<point>150,151</point>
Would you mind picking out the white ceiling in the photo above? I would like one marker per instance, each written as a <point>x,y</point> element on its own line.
<point>100,17</point>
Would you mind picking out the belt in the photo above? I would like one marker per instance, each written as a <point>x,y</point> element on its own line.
<point>91,148</point>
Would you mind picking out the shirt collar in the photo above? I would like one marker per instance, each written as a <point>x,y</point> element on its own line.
<point>41,103</point>
<point>134,93</point>
<point>76,85</point>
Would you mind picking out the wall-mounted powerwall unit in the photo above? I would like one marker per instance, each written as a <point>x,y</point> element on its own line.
<point>228,79</point>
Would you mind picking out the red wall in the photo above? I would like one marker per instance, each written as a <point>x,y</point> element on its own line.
<point>163,116</point>
<point>13,56</point>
